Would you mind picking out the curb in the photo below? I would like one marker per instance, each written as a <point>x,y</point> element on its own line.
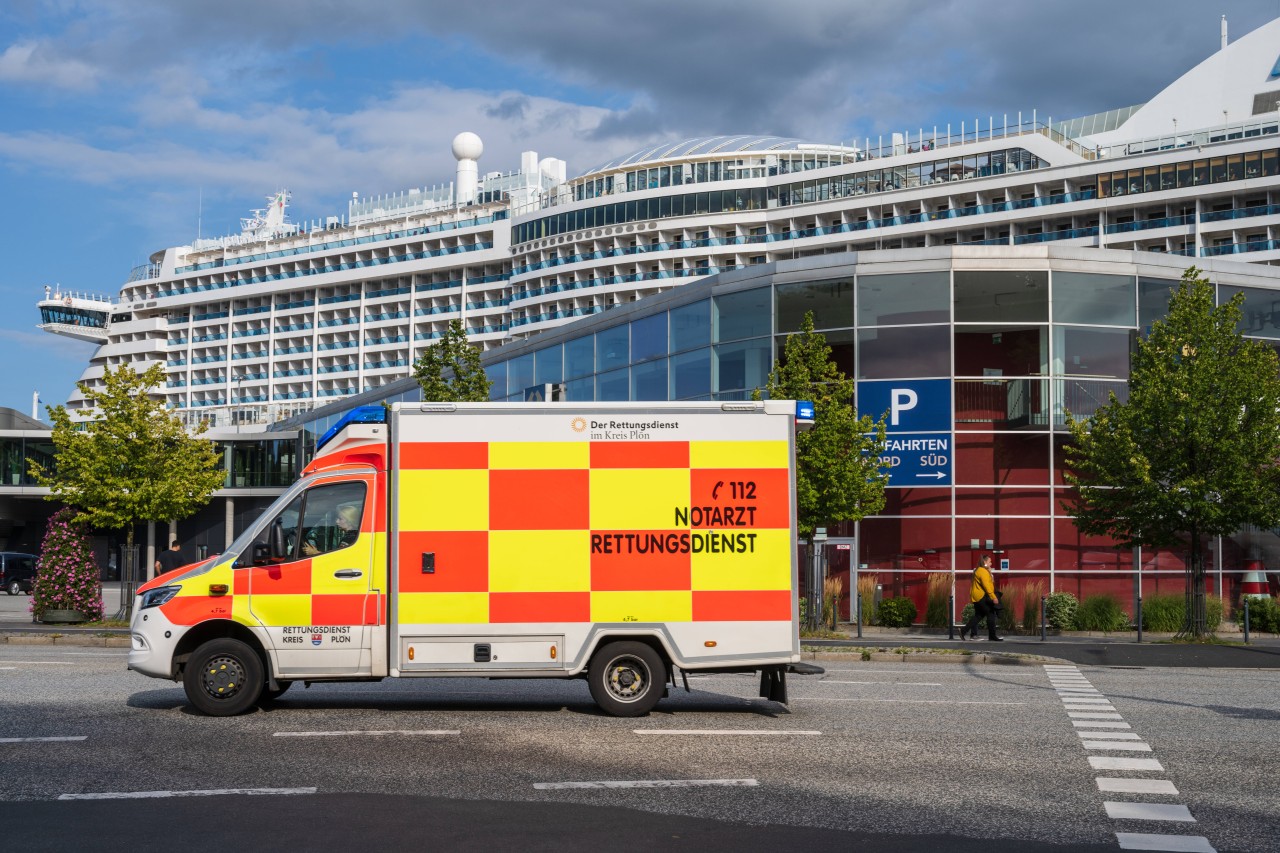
<point>960,657</point>
<point>59,639</point>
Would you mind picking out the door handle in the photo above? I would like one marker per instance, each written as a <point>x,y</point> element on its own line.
<point>348,573</point>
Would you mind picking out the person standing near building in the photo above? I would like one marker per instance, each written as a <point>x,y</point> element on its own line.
<point>985,601</point>
<point>170,560</point>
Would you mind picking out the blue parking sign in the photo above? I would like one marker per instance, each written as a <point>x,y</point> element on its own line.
<point>911,405</point>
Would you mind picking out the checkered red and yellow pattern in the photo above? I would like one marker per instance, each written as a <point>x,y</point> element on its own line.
<point>594,531</point>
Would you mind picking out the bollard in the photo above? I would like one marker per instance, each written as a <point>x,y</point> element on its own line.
<point>951,617</point>
<point>1139,619</point>
<point>859,616</point>
<point>1044,599</point>
<point>1246,621</point>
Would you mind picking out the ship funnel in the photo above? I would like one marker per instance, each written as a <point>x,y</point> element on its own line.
<point>467,149</point>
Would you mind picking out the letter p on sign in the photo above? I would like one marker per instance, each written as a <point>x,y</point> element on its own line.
<point>901,400</point>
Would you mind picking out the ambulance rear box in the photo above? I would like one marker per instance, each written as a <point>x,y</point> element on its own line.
<point>620,543</point>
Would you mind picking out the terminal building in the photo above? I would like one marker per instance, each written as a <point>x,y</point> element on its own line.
<point>997,270</point>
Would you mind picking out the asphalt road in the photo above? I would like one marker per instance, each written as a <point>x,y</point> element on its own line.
<point>873,756</point>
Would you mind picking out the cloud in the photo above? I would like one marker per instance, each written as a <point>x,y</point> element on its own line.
<point>34,63</point>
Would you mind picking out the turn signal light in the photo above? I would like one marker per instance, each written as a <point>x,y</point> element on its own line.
<point>553,652</point>
<point>411,653</point>
<point>218,589</point>
<point>711,644</point>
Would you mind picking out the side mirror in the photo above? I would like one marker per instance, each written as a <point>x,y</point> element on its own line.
<point>261,554</point>
<point>276,538</point>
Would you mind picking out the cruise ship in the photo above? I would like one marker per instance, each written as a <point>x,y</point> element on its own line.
<point>282,318</point>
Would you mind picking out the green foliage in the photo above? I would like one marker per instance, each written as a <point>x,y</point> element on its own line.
<point>449,370</point>
<point>66,574</point>
<point>1164,613</point>
<point>838,477</point>
<point>966,614</point>
<point>1031,594</point>
<point>1264,615</point>
<point>935,611</point>
<point>897,612</point>
<point>134,462</point>
<point>1192,452</point>
<point>1100,613</point>
<point>1060,611</point>
<point>1005,617</point>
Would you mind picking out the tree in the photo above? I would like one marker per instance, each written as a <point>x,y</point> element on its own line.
<point>838,475</point>
<point>134,462</point>
<point>449,370</point>
<point>67,577</point>
<point>1193,451</point>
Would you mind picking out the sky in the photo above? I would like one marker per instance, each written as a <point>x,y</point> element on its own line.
<point>128,126</point>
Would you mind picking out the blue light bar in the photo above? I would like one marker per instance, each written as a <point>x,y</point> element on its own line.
<point>358,415</point>
<point>805,412</point>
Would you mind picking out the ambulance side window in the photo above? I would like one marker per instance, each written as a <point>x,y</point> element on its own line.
<point>331,518</point>
<point>287,525</point>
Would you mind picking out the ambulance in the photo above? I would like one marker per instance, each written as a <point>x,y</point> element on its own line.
<point>618,543</point>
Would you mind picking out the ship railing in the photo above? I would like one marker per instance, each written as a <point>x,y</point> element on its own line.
<point>1205,136</point>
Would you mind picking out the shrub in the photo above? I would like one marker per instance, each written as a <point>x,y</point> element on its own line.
<point>1031,595</point>
<point>832,589</point>
<point>1005,617</point>
<point>935,611</point>
<point>1168,613</point>
<point>1100,613</point>
<point>1264,615</point>
<point>897,612</point>
<point>66,574</point>
<point>1060,610</point>
<point>867,590</point>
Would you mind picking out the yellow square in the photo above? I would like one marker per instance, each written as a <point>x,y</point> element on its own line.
<point>443,608</point>
<point>739,454</point>
<point>733,560</point>
<point>666,606</point>
<point>539,560</point>
<point>444,499</point>
<point>539,454</point>
<point>278,610</point>
<point>636,498</point>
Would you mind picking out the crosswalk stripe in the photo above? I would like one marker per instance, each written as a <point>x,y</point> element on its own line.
<point>1114,762</point>
<point>1167,843</point>
<point>1114,785</point>
<point>1129,746</point>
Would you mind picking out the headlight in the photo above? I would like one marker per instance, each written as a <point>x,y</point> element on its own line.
<point>159,595</point>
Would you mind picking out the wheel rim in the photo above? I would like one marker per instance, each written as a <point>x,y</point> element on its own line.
<point>223,677</point>
<point>627,678</point>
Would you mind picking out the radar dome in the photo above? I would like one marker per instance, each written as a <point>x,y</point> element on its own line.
<point>467,146</point>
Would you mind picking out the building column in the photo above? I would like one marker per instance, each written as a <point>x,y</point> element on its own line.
<point>230,522</point>
<point>173,534</point>
<point>151,551</point>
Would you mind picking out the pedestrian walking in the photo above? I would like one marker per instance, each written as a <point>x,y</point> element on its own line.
<point>985,601</point>
<point>170,560</point>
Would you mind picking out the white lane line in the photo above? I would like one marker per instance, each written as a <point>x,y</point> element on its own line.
<point>49,662</point>
<point>1168,843</point>
<point>1114,785</point>
<point>903,683</point>
<point>8,667</point>
<point>369,733</point>
<point>120,654</point>
<point>1125,745</point>
<point>1148,811</point>
<point>41,739</point>
<point>899,701</point>
<point>1111,762</point>
<point>156,795</point>
<point>1110,735</point>
<point>748,732</point>
<point>1099,724</point>
<point>1089,715</point>
<point>651,783</point>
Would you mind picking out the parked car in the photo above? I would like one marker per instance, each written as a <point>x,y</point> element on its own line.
<point>17,572</point>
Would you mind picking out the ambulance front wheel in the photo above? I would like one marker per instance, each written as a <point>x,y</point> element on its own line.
<point>626,678</point>
<point>223,678</point>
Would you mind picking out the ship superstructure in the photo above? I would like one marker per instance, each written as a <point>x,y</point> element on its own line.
<point>282,318</point>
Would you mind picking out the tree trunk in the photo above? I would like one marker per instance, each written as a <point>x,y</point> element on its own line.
<point>1195,626</point>
<point>127,575</point>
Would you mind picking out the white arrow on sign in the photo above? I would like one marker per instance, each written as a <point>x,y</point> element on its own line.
<point>937,475</point>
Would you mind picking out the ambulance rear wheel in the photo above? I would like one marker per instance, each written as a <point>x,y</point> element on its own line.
<point>223,678</point>
<point>626,679</point>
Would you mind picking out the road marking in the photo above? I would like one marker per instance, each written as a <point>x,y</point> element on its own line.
<point>156,795</point>
<point>8,667</point>
<point>1126,745</point>
<point>51,662</point>
<point>899,701</point>
<point>1110,735</point>
<point>1099,724</point>
<point>652,783</point>
<point>904,683</point>
<point>1071,691</point>
<point>1135,786</point>
<point>724,732</point>
<point>1169,843</point>
<point>1086,700</point>
<point>120,654</point>
<point>1111,762</point>
<point>41,739</point>
<point>1148,811</point>
<point>371,733</point>
<point>1094,706</point>
<point>1088,715</point>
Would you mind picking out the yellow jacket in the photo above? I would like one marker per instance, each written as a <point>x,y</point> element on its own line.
<point>982,586</point>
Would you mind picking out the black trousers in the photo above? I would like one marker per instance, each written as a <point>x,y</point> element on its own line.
<point>984,609</point>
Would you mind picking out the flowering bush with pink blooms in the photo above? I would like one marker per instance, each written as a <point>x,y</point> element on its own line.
<point>66,574</point>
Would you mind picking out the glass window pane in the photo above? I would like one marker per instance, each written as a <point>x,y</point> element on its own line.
<point>1082,397</point>
<point>497,374</point>
<point>691,326</point>
<point>1106,300</point>
<point>1002,350</point>
<point>580,390</point>
<point>1153,299</point>
<point>579,357</point>
<point>649,380</point>
<point>519,374</point>
<point>611,348</point>
<point>742,315</point>
<point>649,337</point>
<point>547,365</point>
<point>743,366</point>
<point>843,344</point>
<point>830,301</point>
<point>1002,458</point>
<point>1261,308</point>
<point>1000,404</point>
<point>613,386</point>
<point>1002,297</point>
<point>1099,353</point>
<point>904,352</point>
<point>691,374</point>
<point>892,300</point>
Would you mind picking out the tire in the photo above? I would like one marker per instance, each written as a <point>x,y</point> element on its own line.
<point>223,678</point>
<point>627,678</point>
<point>13,588</point>
<point>269,695</point>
